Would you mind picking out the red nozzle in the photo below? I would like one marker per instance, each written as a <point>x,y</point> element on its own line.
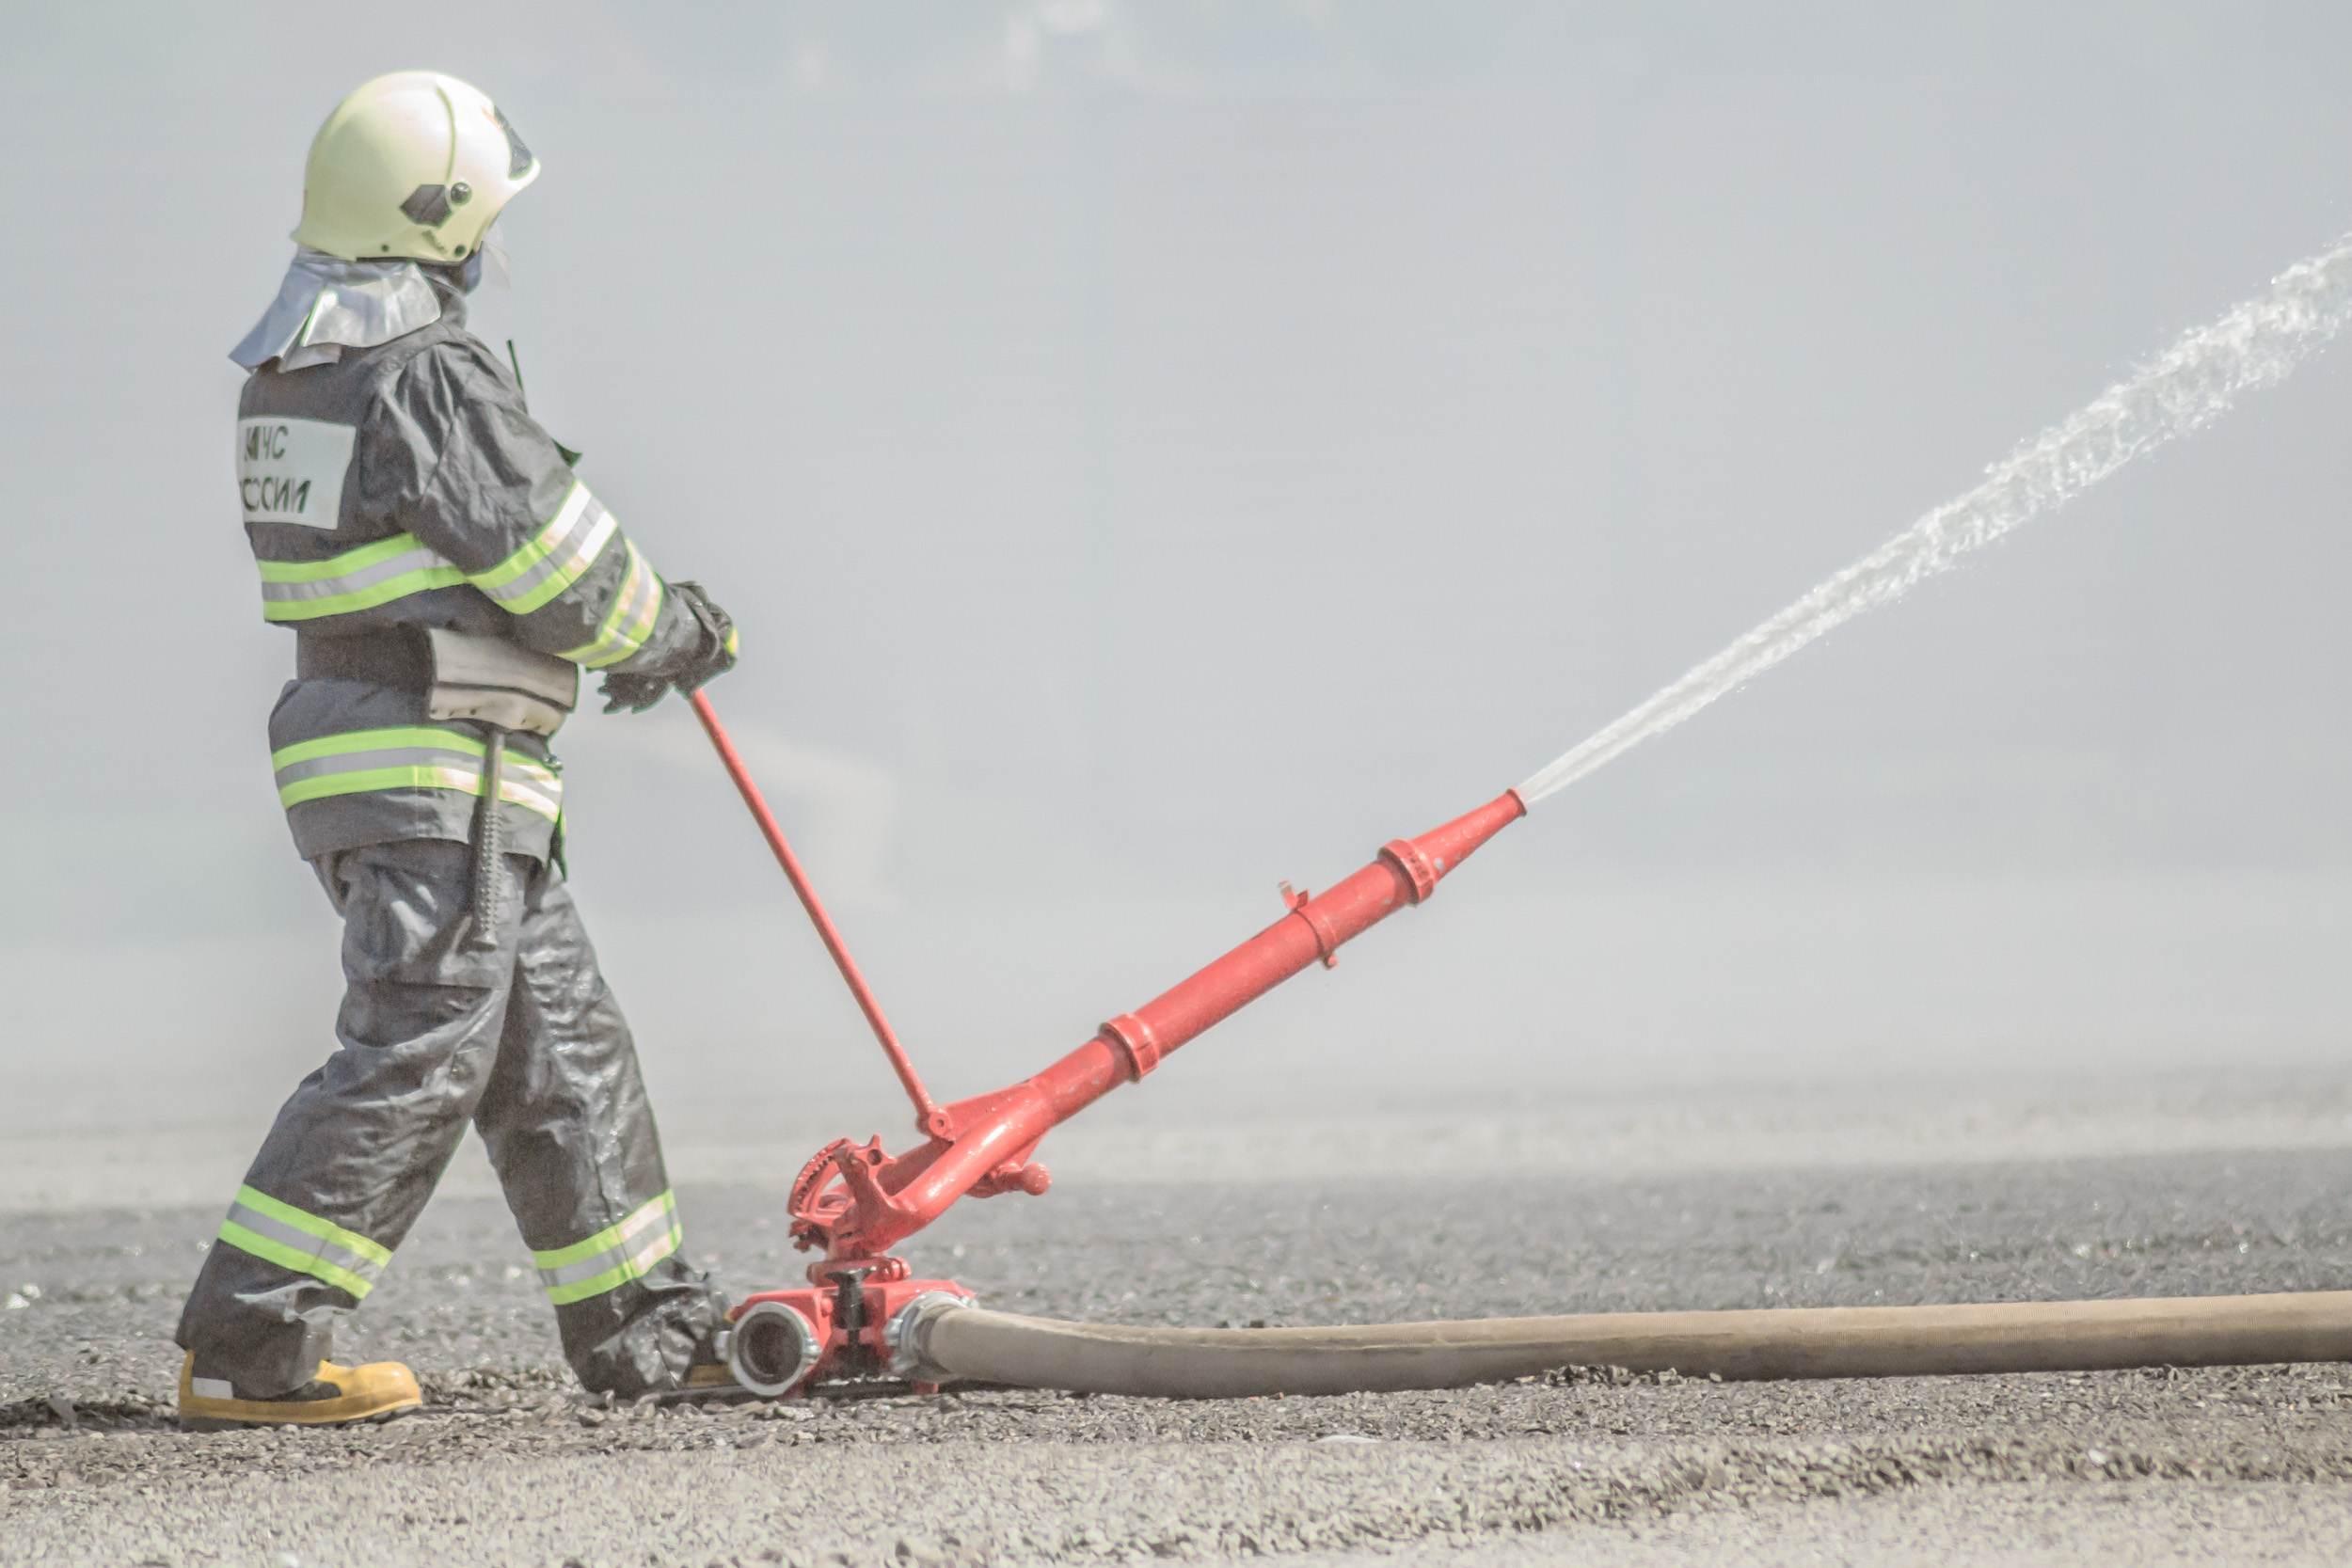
<point>984,1144</point>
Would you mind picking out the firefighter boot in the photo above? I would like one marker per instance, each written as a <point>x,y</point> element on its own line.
<point>333,1395</point>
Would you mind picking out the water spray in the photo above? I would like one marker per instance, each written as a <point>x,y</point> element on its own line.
<point>2190,385</point>
<point>861,1314</point>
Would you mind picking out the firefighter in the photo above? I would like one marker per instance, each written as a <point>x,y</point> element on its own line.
<point>447,576</point>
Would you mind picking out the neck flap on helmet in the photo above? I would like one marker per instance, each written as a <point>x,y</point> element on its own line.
<point>327,305</point>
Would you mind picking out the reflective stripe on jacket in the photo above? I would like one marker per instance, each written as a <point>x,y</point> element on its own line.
<point>406,486</point>
<point>545,568</point>
<point>408,757</point>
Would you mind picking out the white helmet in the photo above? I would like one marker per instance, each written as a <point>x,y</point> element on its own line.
<point>415,164</point>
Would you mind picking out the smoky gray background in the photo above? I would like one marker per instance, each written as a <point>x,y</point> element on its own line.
<point>1156,447</point>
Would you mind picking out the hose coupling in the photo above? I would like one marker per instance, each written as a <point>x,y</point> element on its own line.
<point>772,1349</point>
<point>908,1333</point>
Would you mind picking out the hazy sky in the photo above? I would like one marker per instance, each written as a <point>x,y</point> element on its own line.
<point>1155,448</point>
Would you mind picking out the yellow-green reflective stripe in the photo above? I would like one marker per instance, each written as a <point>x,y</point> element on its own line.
<point>326,1230</point>
<point>371,740</point>
<point>292,1258</point>
<point>409,757</point>
<point>527,784</point>
<point>299,1258</point>
<point>524,780</point>
<point>611,1256</point>
<point>360,781</point>
<point>275,1230</point>
<point>555,557</point>
<point>629,623</point>
<point>371,575</point>
<point>339,565</point>
<point>545,799</point>
<point>668,1242</point>
<point>612,1236</point>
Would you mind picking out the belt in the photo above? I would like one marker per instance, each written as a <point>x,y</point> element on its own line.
<point>488,679</point>
<point>397,656</point>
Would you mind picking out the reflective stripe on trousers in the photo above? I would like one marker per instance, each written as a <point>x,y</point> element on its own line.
<point>413,756</point>
<point>388,569</point>
<point>520,1040</point>
<point>271,1228</point>
<point>612,1256</point>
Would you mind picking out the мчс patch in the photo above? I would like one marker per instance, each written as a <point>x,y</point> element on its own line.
<point>292,470</point>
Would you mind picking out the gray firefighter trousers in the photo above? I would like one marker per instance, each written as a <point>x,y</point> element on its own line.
<point>443,1025</point>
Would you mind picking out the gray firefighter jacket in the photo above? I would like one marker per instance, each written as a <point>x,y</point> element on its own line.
<point>398,491</point>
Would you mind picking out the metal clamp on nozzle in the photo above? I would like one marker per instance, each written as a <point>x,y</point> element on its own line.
<point>1134,1038</point>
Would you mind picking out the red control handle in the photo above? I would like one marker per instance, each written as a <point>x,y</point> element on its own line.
<point>926,1112</point>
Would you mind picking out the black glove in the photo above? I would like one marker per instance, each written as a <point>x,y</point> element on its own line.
<point>713,655</point>
<point>635,692</point>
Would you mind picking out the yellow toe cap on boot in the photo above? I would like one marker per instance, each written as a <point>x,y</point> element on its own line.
<point>711,1380</point>
<point>362,1393</point>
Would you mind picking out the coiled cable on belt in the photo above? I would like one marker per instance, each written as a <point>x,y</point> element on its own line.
<point>490,849</point>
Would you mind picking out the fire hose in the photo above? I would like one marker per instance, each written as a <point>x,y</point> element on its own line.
<point>943,1339</point>
<point>862,1316</point>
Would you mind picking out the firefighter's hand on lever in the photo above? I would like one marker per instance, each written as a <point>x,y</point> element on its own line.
<point>714,656</point>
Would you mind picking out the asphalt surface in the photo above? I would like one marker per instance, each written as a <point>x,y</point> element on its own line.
<point>510,1466</point>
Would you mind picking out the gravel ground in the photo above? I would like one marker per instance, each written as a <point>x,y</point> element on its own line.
<point>509,1465</point>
